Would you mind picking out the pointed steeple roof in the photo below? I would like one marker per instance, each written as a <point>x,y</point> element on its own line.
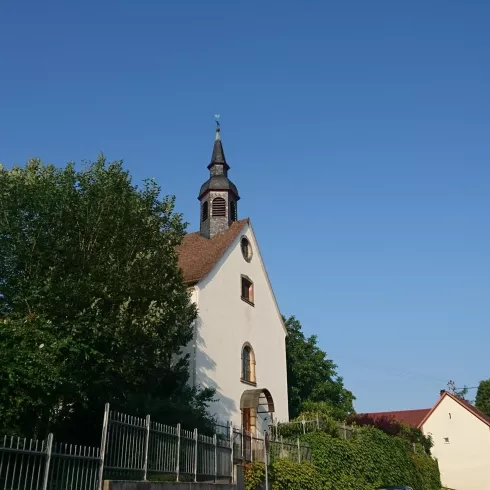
<point>218,156</point>
<point>218,170</point>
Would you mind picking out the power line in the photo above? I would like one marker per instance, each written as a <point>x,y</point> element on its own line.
<point>397,372</point>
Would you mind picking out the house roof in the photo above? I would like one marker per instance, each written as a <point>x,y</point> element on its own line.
<point>471,408</point>
<point>198,255</point>
<point>408,417</point>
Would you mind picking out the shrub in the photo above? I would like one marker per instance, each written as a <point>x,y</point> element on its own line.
<point>286,475</point>
<point>254,475</point>
<point>393,428</point>
<point>371,460</point>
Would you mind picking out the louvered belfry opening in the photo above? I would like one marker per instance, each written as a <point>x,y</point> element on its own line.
<point>219,206</point>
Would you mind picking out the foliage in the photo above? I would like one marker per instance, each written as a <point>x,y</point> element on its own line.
<point>316,416</point>
<point>254,475</point>
<point>461,392</point>
<point>428,471</point>
<point>482,401</point>
<point>393,428</point>
<point>93,300</point>
<point>288,475</point>
<point>284,475</point>
<point>371,460</point>
<point>311,376</point>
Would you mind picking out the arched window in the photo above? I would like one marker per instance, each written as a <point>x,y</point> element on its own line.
<point>233,216</point>
<point>248,364</point>
<point>219,206</point>
<point>204,211</point>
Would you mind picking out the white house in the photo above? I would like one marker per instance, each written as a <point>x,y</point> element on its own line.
<point>461,436</point>
<point>239,336</point>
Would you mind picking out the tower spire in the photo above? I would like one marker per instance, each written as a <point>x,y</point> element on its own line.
<point>218,156</point>
<point>218,195</point>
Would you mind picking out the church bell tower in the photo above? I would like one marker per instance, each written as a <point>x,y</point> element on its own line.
<point>218,195</point>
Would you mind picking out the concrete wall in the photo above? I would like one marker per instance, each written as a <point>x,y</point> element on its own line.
<point>226,323</point>
<point>138,485</point>
<point>461,445</point>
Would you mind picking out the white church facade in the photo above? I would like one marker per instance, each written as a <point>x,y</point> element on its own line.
<point>239,346</point>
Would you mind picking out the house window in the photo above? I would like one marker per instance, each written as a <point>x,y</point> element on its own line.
<point>219,206</point>
<point>248,364</point>
<point>205,211</point>
<point>247,290</point>
<point>246,249</point>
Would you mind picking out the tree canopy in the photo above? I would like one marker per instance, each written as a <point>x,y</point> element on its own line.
<point>92,303</point>
<point>312,378</point>
<point>482,401</point>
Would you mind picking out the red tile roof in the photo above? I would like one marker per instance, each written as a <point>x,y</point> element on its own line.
<point>408,417</point>
<point>198,255</point>
<point>475,411</point>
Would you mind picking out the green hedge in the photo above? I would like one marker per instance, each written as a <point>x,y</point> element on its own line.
<point>287,475</point>
<point>284,475</point>
<point>371,460</point>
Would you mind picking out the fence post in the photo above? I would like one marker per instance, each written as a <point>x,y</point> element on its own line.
<point>215,442</point>
<point>147,441</point>
<point>317,422</point>
<point>299,452</point>
<point>232,455</point>
<point>266,462</point>
<point>177,465</point>
<point>103,443</point>
<point>195,456</point>
<point>304,425</point>
<point>49,449</point>
<point>243,442</point>
<point>282,447</point>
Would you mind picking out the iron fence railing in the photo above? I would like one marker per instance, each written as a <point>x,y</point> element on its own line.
<point>141,449</point>
<point>138,449</point>
<point>27,464</point>
<point>304,426</point>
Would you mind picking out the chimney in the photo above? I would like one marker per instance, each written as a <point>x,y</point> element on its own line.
<point>442,392</point>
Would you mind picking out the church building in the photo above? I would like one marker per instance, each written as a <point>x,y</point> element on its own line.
<point>239,339</point>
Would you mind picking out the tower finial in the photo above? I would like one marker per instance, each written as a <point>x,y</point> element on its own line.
<point>216,118</point>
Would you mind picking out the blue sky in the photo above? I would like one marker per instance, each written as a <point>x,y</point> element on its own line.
<point>357,134</point>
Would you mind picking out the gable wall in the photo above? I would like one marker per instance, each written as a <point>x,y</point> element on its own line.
<point>226,323</point>
<point>464,462</point>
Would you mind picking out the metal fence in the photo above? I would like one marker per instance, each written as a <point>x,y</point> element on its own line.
<point>141,449</point>
<point>304,426</point>
<point>137,449</point>
<point>27,464</point>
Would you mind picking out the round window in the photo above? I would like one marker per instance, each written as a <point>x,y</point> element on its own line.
<point>246,249</point>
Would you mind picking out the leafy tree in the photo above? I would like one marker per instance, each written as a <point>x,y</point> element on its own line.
<point>92,306</point>
<point>312,377</point>
<point>482,401</point>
